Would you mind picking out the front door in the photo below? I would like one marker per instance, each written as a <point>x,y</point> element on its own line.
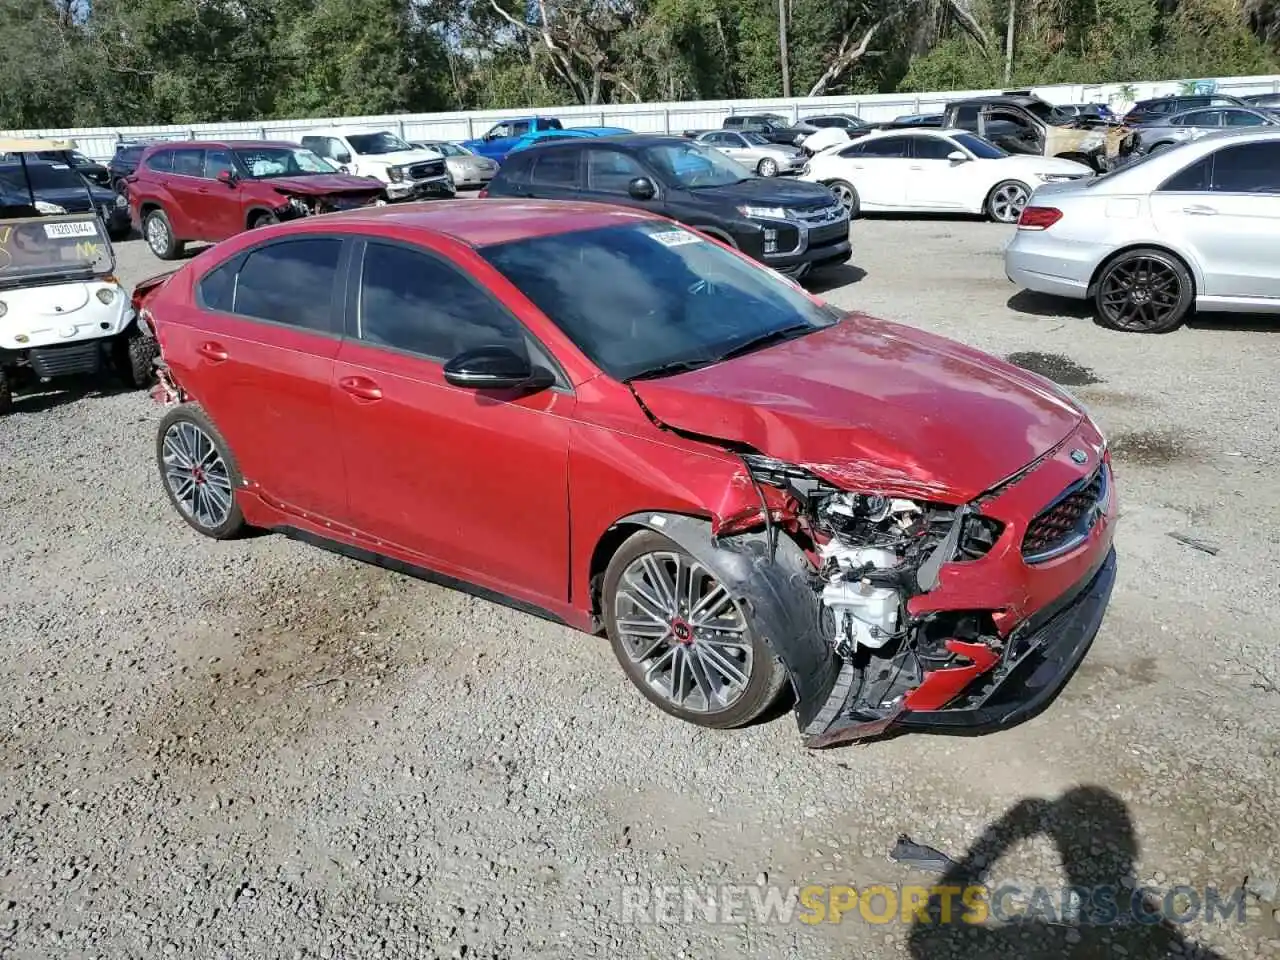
<point>933,181</point>
<point>223,202</point>
<point>474,482</point>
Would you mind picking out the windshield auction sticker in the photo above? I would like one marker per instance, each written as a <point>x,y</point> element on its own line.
<point>676,238</point>
<point>57,231</point>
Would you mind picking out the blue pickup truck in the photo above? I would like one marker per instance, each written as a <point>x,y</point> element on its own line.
<point>504,136</point>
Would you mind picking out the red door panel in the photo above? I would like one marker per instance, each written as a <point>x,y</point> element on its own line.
<point>268,389</point>
<point>475,482</point>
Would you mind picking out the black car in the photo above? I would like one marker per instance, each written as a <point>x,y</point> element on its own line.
<point>771,126</point>
<point>83,165</point>
<point>125,162</point>
<point>916,120</point>
<point>1160,108</point>
<point>64,190</point>
<point>792,226</point>
<point>1265,101</point>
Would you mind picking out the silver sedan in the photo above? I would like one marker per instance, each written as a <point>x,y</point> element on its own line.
<point>1196,225</point>
<point>755,152</point>
<point>467,169</point>
<point>1192,124</point>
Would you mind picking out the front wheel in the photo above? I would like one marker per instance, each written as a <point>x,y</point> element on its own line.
<point>845,192</point>
<point>683,640</point>
<point>1006,200</point>
<point>159,234</point>
<point>1144,291</point>
<point>199,473</point>
<point>135,355</point>
<point>263,219</point>
<point>767,168</point>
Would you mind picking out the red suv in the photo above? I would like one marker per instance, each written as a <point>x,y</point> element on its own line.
<point>210,191</point>
<point>603,417</point>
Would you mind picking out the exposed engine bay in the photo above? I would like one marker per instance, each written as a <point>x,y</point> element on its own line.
<point>307,205</point>
<point>871,554</point>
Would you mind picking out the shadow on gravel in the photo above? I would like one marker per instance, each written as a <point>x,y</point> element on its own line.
<point>833,277</point>
<point>1235,322</point>
<point>1034,304</point>
<point>1097,846</point>
<point>36,397</point>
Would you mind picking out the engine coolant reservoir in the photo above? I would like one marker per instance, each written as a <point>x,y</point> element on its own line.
<point>865,615</point>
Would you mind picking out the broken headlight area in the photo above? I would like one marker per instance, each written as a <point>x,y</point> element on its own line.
<point>871,552</point>
<point>295,207</point>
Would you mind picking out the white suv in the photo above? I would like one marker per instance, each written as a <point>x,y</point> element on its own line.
<point>409,172</point>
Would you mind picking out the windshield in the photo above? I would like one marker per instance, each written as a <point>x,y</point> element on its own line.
<point>752,137</point>
<point>447,149</point>
<point>643,297</point>
<point>44,176</point>
<point>374,143</point>
<point>980,148</point>
<point>42,248</point>
<point>262,162</point>
<point>692,165</point>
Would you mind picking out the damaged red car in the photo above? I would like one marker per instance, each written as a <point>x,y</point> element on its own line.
<point>204,190</point>
<point>605,418</point>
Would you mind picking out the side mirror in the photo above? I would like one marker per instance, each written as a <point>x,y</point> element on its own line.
<point>228,177</point>
<point>957,156</point>
<point>342,157</point>
<point>494,368</point>
<point>344,169</point>
<point>642,188</point>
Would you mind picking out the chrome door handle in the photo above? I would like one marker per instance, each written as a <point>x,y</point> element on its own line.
<point>914,167</point>
<point>1200,210</point>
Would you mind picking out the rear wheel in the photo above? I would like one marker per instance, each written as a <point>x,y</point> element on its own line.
<point>683,640</point>
<point>199,473</point>
<point>848,196</point>
<point>159,235</point>
<point>1144,291</point>
<point>767,168</point>
<point>1006,200</point>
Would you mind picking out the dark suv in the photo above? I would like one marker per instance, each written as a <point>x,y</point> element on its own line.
<point>1160,108</point>
<point>789,225</point>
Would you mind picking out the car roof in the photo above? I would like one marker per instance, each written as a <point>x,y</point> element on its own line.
<point>494,220</point>
<point>225,144</point>
<point>618,139</point>
<point>912,131</point>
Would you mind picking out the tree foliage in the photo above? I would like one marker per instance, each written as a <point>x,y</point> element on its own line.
<point>131,62</point>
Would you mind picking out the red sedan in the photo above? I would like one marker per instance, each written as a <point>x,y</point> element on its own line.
<point>602,417</point>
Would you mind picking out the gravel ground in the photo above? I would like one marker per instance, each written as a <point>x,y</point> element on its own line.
<point>259,749</point>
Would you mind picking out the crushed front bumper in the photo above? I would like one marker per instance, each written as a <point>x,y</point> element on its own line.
<point>421,189</point>
<point>1039,659</point>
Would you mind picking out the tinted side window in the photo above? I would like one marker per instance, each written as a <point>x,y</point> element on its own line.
<point>1247,168</point>
<point>556,168</point>
<point>933,148</point>
<point>411,301</point>
<point>967,117</point>
<point>218,288</point>
<point>1192,178</point>
<point>161,162</point>
<point>317,145</point>
<point>290,282</point>
<point>888,147</point>
<point>216,161</point>
<point>188,163</point>
<point>611,171</point>
<point>1241,118</point>
<point>1200,118</point>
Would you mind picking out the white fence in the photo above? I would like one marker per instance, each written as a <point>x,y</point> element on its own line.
<point>99,142</point>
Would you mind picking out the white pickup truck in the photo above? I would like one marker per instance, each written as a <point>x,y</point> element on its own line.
<point>409,172</point>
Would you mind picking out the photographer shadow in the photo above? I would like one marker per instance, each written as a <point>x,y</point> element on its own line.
<point>1097,845</point>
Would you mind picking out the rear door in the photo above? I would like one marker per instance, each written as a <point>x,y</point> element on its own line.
<point>1226,209</point>
<point>474,481</point>
<point>259,357</point>
<point>878,169</point>
<point>555,173</point>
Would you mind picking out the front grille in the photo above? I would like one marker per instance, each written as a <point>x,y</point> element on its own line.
<point>63,360</point>
<point>423,171</point>
<point>820,216</point>
<point>1067,521</point>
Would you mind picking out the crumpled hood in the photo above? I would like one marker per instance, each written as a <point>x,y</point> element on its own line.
<point>874,405</point>
<point>324,183</point>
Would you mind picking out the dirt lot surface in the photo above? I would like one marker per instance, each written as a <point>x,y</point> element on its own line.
<point>259,749</point>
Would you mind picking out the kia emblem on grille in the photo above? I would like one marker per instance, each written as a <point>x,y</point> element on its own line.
<point>1079,456</point>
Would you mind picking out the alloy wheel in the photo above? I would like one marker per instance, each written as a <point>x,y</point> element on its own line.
<point>768,168</point>
<point>1007,202</point>
<point>844,194</point>
<point>1140,293</point>
<point>197,475</point>
<point>157,235</point>
<point>677,623</point>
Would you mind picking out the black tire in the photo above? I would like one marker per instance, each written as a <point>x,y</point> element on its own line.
<point>847,194</point>
<point>158,232</point>
<point>767,674</point>
<point>135,353</point>
<point>6,392</point>
<point>263,218</point>
<point>1146,290</point>
<point>767,167</point>
<point>1001,205</point>
<point>233,524</point>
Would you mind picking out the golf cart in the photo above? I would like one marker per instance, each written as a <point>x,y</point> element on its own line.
<point>62,311</point>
